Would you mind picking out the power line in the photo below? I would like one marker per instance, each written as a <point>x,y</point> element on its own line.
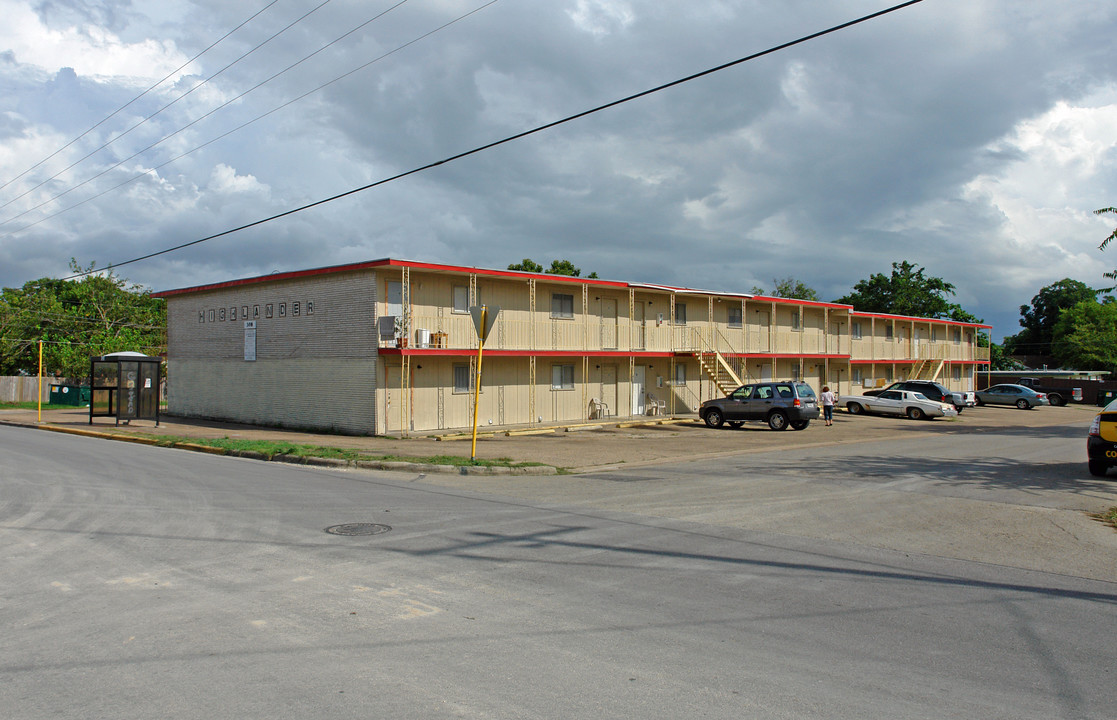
<point>151,170</point>
<point>149,117</point>
<point>120,109</point>
<point>517,136</point>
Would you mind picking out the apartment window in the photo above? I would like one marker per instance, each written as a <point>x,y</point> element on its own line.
<point>680,313</point>
<point>462,379</point>
<point>889,332</point>
<point>934,334</point>
<point>735,317</point>
<point>461,299</point>
<point>680,375</point>
<point>957,336</point>
<point>562,377</point>
<point>855,374</point>
<point>957,373</point>
<point>795,370</point>
<point>855,330</point>
<point>562,306</point>
<point>795,320</point>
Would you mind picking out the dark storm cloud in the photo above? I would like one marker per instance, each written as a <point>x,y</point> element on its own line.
<point>921,136</point>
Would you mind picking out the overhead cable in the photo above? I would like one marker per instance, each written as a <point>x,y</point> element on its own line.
<point>114,113</point>
<point>149,117</point>
<point>510,138</point>
<point>243,125</point>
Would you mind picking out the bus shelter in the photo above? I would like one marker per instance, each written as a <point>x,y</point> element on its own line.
<point>125,386</point>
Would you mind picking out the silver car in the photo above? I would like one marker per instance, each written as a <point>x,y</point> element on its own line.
<point>916,406</point>
<point>1022,397</point>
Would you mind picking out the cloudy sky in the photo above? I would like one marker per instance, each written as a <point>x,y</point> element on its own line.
<point>971,137</point>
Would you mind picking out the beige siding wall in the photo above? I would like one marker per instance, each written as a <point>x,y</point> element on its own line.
<point>317,339</point>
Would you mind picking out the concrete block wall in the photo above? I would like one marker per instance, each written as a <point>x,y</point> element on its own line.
<point>315,350</point>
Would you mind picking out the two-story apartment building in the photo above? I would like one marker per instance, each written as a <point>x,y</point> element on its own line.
<point>390,347</point>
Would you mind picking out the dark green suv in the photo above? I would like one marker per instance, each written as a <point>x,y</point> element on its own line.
<point>782,403</point>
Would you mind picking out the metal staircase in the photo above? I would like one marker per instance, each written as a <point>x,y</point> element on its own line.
<point>926,370</point>
<point>718,370</point>
<point>713,363</point>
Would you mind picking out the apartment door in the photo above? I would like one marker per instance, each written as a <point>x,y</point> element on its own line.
<point>764,340</point>
<point>394,299</point>
<point>609,386</point>
<point>608,323</point>
<point>765,373</point>
<point>639,329</point>
<point>639,390</point>
<point>393,400</point>
<point>834,341</point>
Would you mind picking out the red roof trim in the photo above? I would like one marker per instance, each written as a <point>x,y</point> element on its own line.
<point>944,321</point>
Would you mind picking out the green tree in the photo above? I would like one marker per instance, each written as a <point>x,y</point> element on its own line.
<point>1085,336</point>
<point>75,320</point>
<point>1112,275</point>
<point>789,287</point>
<point>558,267</point>
<point>1038,320</point>
<point>907,291</point>
<point>526,265</point>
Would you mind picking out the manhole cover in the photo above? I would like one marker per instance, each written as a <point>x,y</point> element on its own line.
<point>358,529</point>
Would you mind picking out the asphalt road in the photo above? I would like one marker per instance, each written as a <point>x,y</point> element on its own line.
<point>143,582</point>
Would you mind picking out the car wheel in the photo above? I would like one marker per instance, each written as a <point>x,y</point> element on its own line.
<point>915,413</point>
<point>1098,467</point>
<point>800,424</point>
<point>735,424</point>
<point>978,402</point>
<point>777,420</point>
<point>1056,399</point>
<point>713,418</point>
<point>1022,404</point>
<point>959,408</point>
<point>854,408</point>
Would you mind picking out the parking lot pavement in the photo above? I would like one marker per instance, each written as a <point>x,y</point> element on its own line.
<point>587,448</point>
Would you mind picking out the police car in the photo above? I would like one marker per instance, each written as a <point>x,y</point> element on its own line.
<point>1101,445</point>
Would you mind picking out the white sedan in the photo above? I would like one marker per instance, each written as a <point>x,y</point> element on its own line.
<point>916,406</point>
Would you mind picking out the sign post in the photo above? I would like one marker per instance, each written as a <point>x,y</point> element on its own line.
<point>484,318</point>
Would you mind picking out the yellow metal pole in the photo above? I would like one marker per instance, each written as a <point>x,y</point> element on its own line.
<point>477,382</point>
<point>40,398</point>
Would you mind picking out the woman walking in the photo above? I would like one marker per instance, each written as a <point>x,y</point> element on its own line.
<point>828,400</point>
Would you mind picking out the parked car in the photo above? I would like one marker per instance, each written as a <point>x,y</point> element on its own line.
<point>1009,394</point>
<point>1101,443</point>
<point>932,391</point>
<point>900,402</point>
<point>1057,396</point>
<point>780,404</point>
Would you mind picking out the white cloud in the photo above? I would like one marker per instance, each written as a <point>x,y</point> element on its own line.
<point>602,17</point>
<point>226,181</point>
<point>91,50</point>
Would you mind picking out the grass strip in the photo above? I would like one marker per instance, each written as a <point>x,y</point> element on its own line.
<point>1109,517</point>
<point>35,406</point>
<point>271,448</point>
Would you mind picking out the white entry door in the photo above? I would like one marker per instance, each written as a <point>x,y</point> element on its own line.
<point>638,390</point>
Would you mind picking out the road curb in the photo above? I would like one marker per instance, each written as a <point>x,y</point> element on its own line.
<point>337,463</point>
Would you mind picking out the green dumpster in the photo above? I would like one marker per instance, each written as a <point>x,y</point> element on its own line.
<point>74,395</point>
<point>1106,396</point>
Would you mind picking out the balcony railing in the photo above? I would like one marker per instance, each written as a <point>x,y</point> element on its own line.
<point>456,331</point>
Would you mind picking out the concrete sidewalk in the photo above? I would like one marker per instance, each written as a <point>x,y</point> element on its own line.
<point>577,448</point>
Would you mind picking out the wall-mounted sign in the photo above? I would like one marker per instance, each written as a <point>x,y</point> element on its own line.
<point>250,340</point>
